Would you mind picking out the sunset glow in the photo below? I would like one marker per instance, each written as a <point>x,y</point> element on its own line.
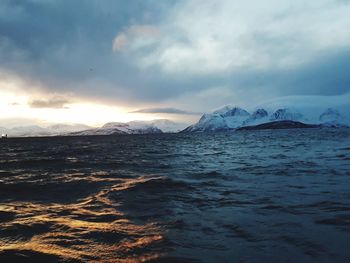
<point>94,114</point>
<point>16,104</point>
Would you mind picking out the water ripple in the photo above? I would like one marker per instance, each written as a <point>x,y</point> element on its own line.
<point>270,196</point>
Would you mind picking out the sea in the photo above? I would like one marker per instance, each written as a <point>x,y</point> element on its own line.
<point>244,196</point>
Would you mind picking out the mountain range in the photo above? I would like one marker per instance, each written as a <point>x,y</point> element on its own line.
<point>311,111</point>
<point>34,130</point>
<point>134,127</point>
<point>330,111</point>
<point>231,118</point>
<point>112,128</point>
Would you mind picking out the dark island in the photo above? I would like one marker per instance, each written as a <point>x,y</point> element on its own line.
<point>278,125</point>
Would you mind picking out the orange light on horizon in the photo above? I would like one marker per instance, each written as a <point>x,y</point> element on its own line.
<point>16,105</point>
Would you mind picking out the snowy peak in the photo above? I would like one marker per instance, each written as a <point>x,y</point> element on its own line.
<point>114,128</point>
<point>259,113</point>
<point>162,124</point>
<point>111,128</point>
<point>286,114</point>
<point>259,116</point>
<point>230,111</point>
<point>330,115</point>
<point>226,118</point>
<point>115,125</point>
<point>169,126</point>
<point>230,118</point>
<point>134,127</point>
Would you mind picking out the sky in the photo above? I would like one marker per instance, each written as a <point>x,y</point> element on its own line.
<point>92,61</point>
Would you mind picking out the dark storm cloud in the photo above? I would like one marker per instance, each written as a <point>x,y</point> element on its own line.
<point>165,110</point>
<point>68,46</point>
<point>65,44</point>
<point>327,74</point>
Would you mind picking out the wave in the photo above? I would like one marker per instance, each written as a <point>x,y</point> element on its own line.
<point>186,198</point>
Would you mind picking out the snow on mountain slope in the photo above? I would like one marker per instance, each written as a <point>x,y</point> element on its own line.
<point>161,124</point>
<point>134,127</point>
<point>114,128</point>
<point>230,111</point>
<point>58,129</point>
<point>286,114</point>
<point>312,107</point>
<point>27,131</point>
<point>208,122</point>
<point>226,118</point>
<point>53,130</point>
<point>98,131</point>
<point>259,116</point>
<point>169,126</point>
<point>329,111</point>
<point>331,115</point>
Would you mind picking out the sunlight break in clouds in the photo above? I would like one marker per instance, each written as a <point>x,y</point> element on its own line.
<point>15,103</point>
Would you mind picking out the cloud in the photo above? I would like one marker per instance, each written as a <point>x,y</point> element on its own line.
<point>120,42</point>
<point>53,103</point>
<point>136,37</point>
<point>209,37</point>
<point>165,110</point>
<point>188,54</point>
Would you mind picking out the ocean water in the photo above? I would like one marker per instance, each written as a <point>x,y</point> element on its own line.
<point>254,196</point>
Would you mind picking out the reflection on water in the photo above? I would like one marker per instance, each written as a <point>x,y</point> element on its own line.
<point>89,230</point>
<point>268,196</point>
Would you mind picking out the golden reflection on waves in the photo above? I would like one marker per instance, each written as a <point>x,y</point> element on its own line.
<point>72,231</point>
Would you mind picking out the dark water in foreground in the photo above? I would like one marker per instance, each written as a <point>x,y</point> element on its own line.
<point>259,196</point>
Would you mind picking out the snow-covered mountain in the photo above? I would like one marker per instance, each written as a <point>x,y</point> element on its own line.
<point>305,110</point>
<point>133,127</point>
<point>286,114</point>
<point>34,130</point>
<point>64,128</point>
<point>312,107</point>
<point>27,131</point>
<point>169,126</point>
<point>226,118</point>
<point>162,124</point>
<point>331,116</point>
<point>114,128</point>
<point>259,116</point>
<point>330,111</point>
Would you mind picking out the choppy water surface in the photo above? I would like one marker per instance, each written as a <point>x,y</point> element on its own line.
<point>263,196</point>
